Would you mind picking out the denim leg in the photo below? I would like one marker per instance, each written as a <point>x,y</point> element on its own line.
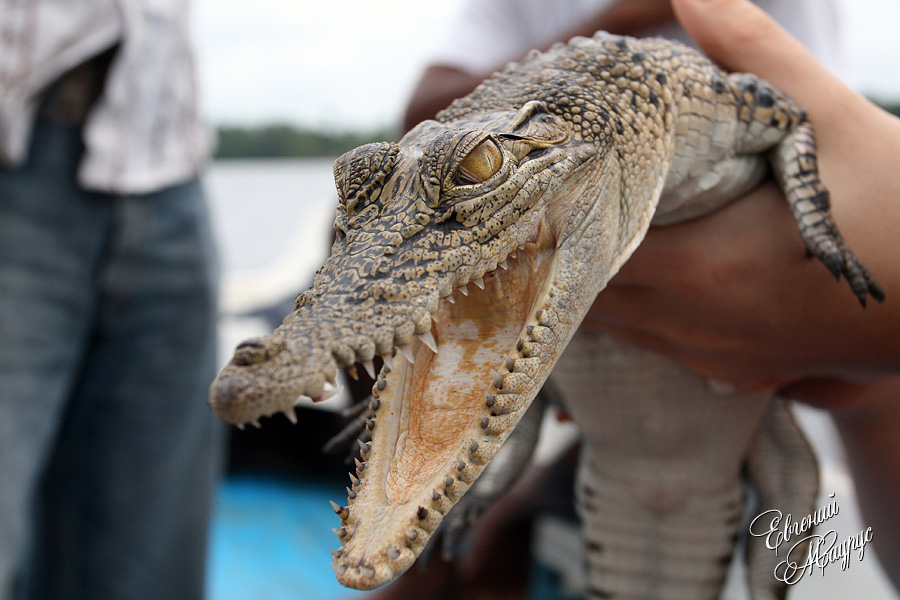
<point>123,504</point>
<point>52,238</point>
<point>126,501</point>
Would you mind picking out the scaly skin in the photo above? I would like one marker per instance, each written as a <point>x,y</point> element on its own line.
<point>537,187</point>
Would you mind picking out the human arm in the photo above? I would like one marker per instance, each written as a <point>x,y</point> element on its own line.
<point>441,84</point>
<point>732,294</point>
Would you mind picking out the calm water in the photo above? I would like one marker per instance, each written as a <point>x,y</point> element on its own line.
<point>258,207</point>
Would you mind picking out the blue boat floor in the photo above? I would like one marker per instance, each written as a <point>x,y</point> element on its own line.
<point>270,540</point>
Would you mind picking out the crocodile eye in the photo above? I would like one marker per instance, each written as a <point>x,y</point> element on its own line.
<point>480,164</point>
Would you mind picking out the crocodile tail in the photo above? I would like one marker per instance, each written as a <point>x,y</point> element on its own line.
<point>783,471</point>
<point>659,546</point>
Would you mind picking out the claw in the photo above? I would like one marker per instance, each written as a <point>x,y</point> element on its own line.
<point>350,431</point>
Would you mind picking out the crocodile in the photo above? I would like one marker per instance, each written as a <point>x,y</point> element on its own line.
<point>466,256</point>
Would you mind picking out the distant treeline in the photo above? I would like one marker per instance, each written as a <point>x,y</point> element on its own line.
<point>272,141</point>
<point>892,107</point>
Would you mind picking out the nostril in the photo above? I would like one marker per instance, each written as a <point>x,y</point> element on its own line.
<point>257,350</point>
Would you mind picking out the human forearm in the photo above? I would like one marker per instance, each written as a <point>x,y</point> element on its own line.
<point>441,84</point>
<point>626,17</point>
<point>869,432</point>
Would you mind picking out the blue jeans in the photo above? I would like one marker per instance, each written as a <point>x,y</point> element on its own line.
<point>108,452</point>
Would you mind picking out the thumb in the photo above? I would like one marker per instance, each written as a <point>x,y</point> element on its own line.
<point>742,37</point>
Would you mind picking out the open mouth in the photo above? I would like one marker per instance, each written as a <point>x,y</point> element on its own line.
<point>444,406</point>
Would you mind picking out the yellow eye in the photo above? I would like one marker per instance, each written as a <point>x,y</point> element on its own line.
<point>480,164</point>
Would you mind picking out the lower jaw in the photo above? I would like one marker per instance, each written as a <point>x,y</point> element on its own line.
<point>430,442</point>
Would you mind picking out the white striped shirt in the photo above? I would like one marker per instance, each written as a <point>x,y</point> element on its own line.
<point>487,33</point>
<point>145,131</point>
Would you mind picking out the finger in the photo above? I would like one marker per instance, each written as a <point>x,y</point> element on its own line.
<point>742,37</point>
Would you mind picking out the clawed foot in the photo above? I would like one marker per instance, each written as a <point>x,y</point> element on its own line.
<point>840,260</point>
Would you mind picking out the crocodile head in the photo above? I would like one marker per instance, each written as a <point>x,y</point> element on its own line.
<point>465,256</point>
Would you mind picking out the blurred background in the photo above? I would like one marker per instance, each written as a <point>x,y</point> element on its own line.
<point>289,85</point>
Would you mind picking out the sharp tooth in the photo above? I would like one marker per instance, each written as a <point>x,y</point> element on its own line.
<point>428,339</point>
<point>451,300</point>
<point>370,368</point>
<point>393,553</point>
<point>407,352</point>
<point>351,371</point>
<point>367,572</point>
<point>388,361</point>
<point>497,379</point>
<point>521,246</point>
<point>256,424</point>
<point>329,390</point>
<point>479,282</point>
<point>291,415</point>
<point>512,254</point>
<point>339,569</point>
<point>240,426</point>
<point>337,553</point>
<point>504,265</point>
<point>464,290</point>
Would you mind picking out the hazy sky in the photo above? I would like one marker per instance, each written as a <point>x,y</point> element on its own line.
<point>352,63</point>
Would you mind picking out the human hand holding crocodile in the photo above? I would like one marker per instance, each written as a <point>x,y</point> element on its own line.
<point>754,311</point>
